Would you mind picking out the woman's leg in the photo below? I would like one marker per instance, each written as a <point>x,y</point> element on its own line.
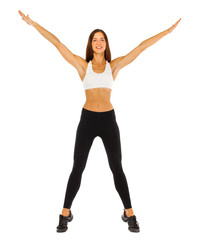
<point>111,141</point>
<point>84,140</point>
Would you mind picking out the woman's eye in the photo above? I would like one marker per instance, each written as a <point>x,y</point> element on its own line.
<point>95,40</point>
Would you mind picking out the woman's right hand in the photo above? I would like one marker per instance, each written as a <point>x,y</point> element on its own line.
<point>26,18</point>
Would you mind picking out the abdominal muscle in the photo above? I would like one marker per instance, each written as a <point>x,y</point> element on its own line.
<point>98,99</point>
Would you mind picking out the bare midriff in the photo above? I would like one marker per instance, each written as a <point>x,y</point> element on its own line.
<point>98,99</point>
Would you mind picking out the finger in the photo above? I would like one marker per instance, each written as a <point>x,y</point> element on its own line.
<point>179,20</point>
<point>21,13</point>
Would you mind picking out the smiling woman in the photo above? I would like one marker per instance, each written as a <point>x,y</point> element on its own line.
<point>98,117</point>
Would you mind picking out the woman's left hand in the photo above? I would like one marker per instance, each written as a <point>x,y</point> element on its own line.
<point>173,26</point>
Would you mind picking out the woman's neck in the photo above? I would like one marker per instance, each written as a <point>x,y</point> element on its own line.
<point>98,60</point>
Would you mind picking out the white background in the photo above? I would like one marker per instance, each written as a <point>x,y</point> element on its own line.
<point>155,101</point>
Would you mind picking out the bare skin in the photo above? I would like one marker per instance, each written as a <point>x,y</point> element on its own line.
<point>129,212</point>
<point>97,99</point>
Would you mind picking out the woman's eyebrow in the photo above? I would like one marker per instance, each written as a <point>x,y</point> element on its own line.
<point>100,38</point>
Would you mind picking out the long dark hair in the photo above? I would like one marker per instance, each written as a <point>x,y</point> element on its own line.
<point>89,51</point>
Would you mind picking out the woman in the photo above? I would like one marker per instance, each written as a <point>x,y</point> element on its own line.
<point>98,117</point>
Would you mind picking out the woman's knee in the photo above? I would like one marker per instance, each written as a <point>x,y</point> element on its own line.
<point>78,168</point>
<point>116,167</point>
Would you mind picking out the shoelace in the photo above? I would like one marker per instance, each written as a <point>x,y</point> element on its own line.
<point>133,222</point>
<point>63,220</point>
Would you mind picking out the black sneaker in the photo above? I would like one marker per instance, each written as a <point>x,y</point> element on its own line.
<point>133,224</point>
<point>62,227</point>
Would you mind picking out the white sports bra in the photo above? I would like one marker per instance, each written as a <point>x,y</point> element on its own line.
<point>97,80</point>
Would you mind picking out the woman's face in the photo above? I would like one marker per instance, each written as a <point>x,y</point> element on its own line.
<point>98,42</point>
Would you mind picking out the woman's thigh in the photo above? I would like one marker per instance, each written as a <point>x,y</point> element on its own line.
<point>112,144</point>
<point>83,143</point>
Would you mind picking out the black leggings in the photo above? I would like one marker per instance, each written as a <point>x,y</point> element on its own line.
<point>91,125</point>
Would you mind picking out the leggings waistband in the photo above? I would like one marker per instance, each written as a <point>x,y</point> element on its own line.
<point>93,113</point>
<point>87,114</point>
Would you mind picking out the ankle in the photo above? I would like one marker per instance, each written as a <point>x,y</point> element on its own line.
<point>66,212</point>
<point>129,212</point>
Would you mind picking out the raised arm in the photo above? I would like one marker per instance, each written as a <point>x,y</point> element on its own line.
<point>75,60</point>
<point>121,62</point>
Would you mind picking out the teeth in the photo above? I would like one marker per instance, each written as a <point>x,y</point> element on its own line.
<point>98,47</point>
